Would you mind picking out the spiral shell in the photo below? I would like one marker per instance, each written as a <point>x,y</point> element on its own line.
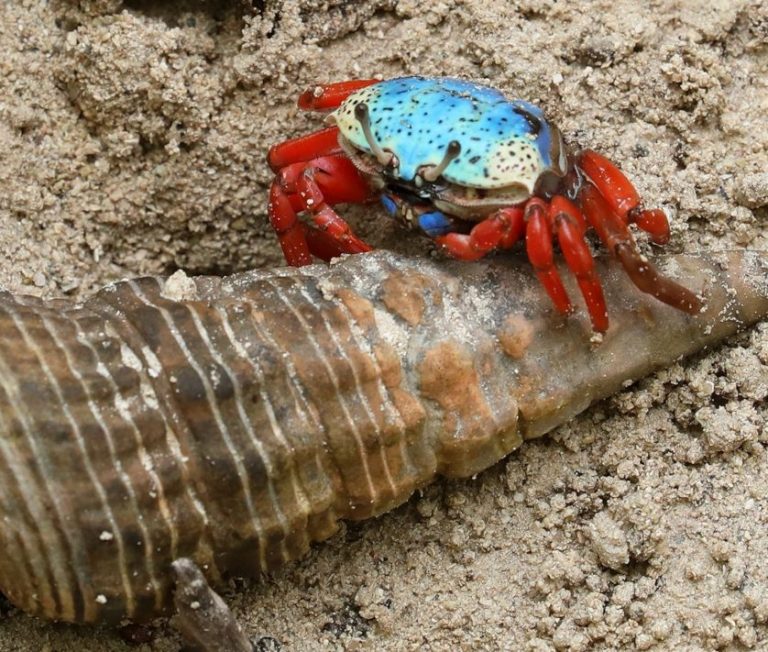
<point>234,421</point>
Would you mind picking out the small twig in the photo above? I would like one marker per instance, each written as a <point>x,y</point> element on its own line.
<point>202,617</point>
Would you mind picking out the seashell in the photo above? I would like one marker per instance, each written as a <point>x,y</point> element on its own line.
<point>234,421</point>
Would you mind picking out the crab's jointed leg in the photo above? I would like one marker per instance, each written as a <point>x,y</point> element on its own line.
<point>616,236</point>
<point>570,226</point>
<point>304,148</point>
<point>610,202</point>
<point>499,231</point>
<point>622,197</point>
<point>538,245</point>
<point>330,96</point>
<point>315,186</point>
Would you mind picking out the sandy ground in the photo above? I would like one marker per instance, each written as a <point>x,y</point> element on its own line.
<point>132,138</point>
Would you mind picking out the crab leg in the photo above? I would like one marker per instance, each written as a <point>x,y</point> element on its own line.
<point>327,219</point>
<point>538,241</point>
<point>615,234</point>
<point>314,187</point>
<point>304,148</point>
<point>329,96</point>
<point>622,197</point>
<point>499,231</point>
<point>289,230</point>
<point>569,225</point>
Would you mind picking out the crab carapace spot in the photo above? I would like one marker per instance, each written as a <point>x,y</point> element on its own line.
<point>533,122</point>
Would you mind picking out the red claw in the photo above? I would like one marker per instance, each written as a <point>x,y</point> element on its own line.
<point>314,186</point>
<point>499,231</point>
<point>304,148</point>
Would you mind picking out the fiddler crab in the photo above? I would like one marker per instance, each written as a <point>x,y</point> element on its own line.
<point>469,168</point>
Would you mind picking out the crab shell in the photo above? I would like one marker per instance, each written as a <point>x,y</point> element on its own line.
<point>506,145</point>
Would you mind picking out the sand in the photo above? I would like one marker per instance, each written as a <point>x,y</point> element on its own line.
<point>132,137</point>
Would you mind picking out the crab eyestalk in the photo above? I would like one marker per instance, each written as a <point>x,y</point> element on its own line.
<point>387,159</point>
<point>432,173</point>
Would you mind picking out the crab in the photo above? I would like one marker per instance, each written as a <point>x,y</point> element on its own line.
<point>473,170</point>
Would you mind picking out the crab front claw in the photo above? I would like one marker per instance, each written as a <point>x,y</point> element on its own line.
<point>312,175</point>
